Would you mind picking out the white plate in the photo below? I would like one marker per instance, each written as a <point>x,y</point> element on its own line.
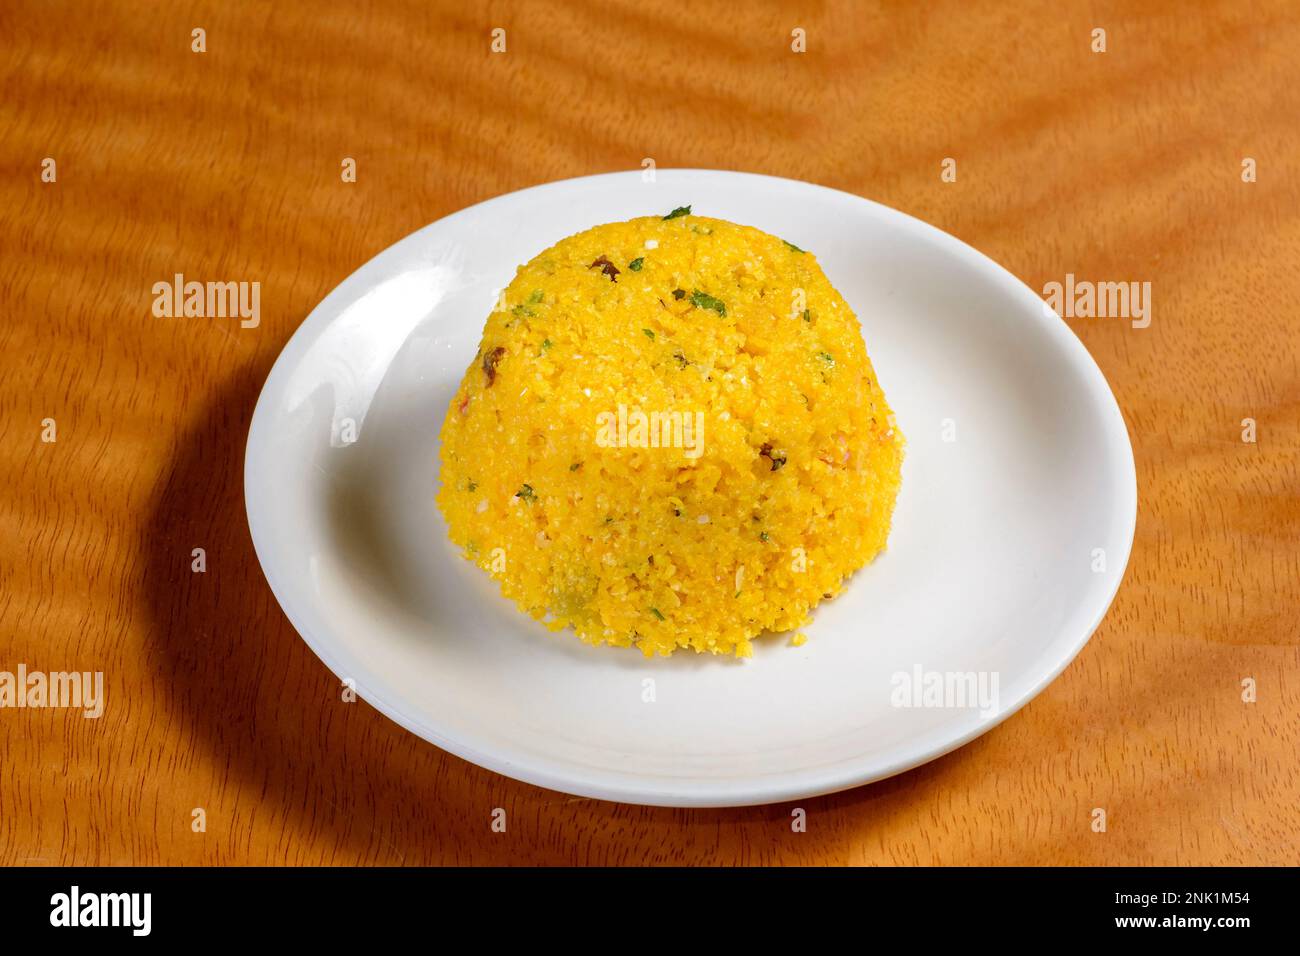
<point>991,567</point>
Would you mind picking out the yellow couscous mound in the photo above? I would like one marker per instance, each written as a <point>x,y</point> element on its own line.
<point>671,436</point>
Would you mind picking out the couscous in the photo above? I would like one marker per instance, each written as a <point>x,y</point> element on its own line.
<point>671,437</point>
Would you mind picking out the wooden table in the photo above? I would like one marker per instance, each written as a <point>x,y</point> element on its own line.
<point>226,164</point>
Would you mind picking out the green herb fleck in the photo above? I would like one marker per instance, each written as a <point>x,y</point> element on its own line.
<point>702,300</point>
<point>473,486</point>
<point>792,245</point>
<point>575,466</point>
<point>679,211</point>
<point>635,264</point>
<point>763,536</point>
<point>649,333</point>
<point>807,315</point>
<point>679,294</point>
<point>655,612</point>
<point>827,359</point>
<point>546,345</point>
<point>536,297</point>
<point>526,492</point>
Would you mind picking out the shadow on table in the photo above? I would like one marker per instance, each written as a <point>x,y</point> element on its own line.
<point>341,782</point>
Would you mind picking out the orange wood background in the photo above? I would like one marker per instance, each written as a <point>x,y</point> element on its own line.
<point>1123,165</point>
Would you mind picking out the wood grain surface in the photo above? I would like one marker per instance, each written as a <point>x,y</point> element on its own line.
<point>1125,165</point>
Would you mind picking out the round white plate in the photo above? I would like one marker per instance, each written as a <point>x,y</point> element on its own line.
<point>1018,486</point>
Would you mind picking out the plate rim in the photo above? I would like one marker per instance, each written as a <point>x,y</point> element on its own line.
<point>613,785</point>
